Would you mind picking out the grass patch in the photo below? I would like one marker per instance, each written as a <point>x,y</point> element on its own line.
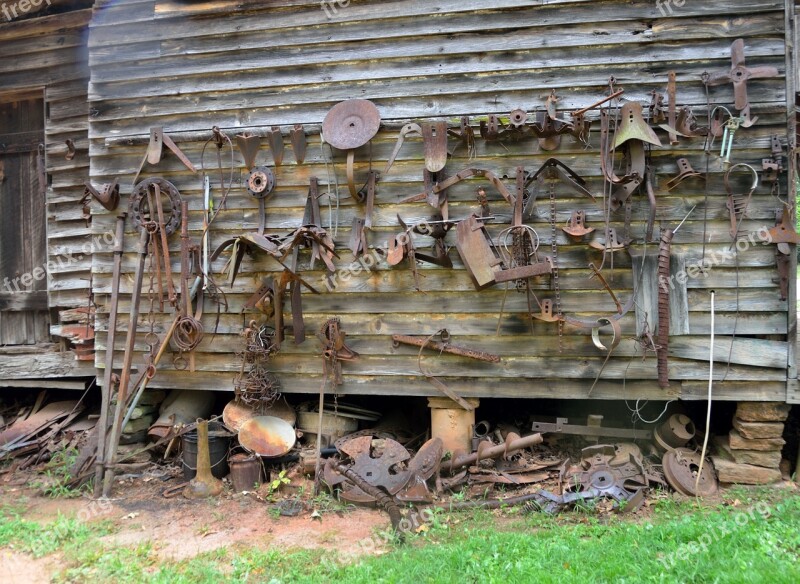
<point>754,536</point>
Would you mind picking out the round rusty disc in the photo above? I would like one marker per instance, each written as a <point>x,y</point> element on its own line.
<point>235,414</point>
<point>680,469</point>
<point>351,124</point>
<point>267,436</point>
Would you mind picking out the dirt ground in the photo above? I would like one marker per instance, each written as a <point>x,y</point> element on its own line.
<point>180,529</point>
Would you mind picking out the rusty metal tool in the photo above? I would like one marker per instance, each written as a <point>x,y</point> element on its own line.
<point>672,90</point>
<point>108,373</point>
<point>158,139</point>
<point>465,135</point>
<point>297,135</point>
<point>739,75</point>
<point>576,227</point>
<point>685,171</point>
<point>127,361</point>
<point>248,144</point>
<point>108,198</point>
<point>444,346</point>
<point>737,204</point>
<point>275,139</point>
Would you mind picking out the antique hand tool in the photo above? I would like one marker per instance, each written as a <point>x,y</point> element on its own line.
<point>158,139</point>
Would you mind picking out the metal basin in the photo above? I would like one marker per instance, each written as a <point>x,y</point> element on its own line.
<point>267,436</point>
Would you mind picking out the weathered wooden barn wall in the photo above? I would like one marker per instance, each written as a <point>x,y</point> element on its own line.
<point>246,65</point>
<point>48,56</point>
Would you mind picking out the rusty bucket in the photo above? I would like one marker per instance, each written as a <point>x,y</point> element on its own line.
<point>246,472</point>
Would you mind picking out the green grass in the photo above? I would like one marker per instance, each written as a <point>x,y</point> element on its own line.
<point>756,540</point>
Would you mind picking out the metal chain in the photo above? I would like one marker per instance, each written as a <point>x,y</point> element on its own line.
<point>556,284</point>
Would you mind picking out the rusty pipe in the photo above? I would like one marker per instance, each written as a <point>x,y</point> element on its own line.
<point>488,450</point>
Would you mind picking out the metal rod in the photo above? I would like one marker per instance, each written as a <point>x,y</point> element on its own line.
<point>427,343</point>
<point>102,423</point>
<point>130,342</point>
<point>598,103</point>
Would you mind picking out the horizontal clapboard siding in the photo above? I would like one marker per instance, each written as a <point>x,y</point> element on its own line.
<point>248,66</point>
<point>50,54</point>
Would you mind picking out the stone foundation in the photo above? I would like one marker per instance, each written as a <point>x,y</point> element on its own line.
<point>751,453</point>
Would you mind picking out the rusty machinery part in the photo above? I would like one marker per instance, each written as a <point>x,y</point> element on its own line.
<point>334,349</point>
<point>256,388</point>
<point>380,434</point>
<point>444,346</point>
<point>737,204</point>
<point>784,232</point>
<point>108,198</point>
<point>680,469</point>
<point>382,498</point>
<point>261,182</point>
<point>249,145</point>
<point>466,135</point>
<point>685,171</point>
<point>378,461</point>
<point>577,225</point>
<point>662,336</point>
<point>616,331</point>
<point>488,450</point>
<point>351,124</point>
<point>596,477</point>
<point>739,75</point>
<point>144,217</point>
<point>422,466</point>
<point>676,432</point>
<point>562,425</point>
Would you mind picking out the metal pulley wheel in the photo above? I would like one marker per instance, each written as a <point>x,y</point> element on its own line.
<point>145,217</point>
<point>351,124</point>
<point>681,467</point>
<point>261,182</point>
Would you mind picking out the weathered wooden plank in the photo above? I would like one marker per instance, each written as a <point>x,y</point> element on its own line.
<point>742,351</point>
<point>44,366</point>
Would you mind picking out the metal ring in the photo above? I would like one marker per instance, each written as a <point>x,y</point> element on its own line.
<point>151,339</point>
<point>180,363</point>
<point>142,214</point>
<point>261,182</point>
<point>615,327</point>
